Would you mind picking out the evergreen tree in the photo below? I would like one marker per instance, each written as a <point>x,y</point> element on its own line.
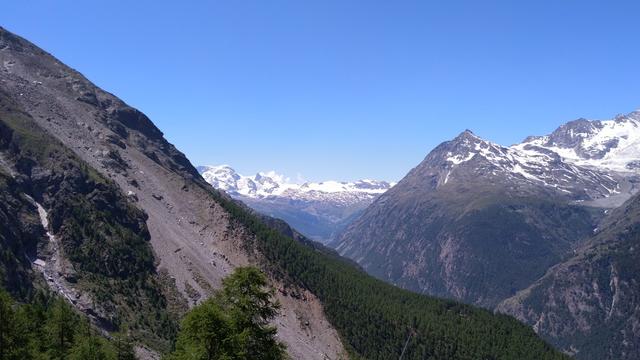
<point>248,300</point>
<point>48,328</point>
<point>14,332</point>
<point>123,346</point>
<point>61,326</point>
<point>234,324</point>
<point>7,323</point>
<point>206,333</point>
<point>89,348</point>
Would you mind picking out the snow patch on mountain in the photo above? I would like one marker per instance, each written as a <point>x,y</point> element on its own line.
<point>557,163</point>
<point>591,157</point>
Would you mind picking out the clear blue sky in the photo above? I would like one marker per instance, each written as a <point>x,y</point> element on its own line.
<point>345,89</point>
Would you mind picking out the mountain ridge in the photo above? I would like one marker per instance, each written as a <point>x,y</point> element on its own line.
<point>270,183</point>
<point>437,231</point>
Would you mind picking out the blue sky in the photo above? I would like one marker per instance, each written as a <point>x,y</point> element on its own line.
<point>345,89</point>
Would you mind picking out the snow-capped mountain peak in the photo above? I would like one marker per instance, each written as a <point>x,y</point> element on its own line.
<point>612,145</point>
<point>524,163</point>
<point>271,183</point>
<point>317,209</point>
<point>467,145</point>
<point>221,177</point>
<point>587,159</point>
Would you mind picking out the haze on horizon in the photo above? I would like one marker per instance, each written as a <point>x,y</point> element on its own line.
<point>344,91</point>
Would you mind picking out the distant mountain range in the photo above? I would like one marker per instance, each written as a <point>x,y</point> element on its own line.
<point>317,209</point>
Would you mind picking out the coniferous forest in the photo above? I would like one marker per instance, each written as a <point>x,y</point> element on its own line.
<point>47,327</point>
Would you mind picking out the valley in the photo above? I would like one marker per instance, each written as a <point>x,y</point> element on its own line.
<point>137,230</point>
<point>473,208</point>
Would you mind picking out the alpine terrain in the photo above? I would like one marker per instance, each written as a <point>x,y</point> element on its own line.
<point>318,210</point>
<point>98,209</point>
<point>478,222</point>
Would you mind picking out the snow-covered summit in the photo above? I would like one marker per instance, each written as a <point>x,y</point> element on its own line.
<point>602,144</point>
<point>468,152</point>
<point>271,183</point>
<point>582,156</point>
<point>317,209</point>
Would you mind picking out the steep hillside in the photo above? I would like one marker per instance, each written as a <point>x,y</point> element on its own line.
<point>318,210</point>
<point>130,232</point>
<point>589,305</point>
<point>108,270</point>
<point>187,242</point>
<point>380,321</point>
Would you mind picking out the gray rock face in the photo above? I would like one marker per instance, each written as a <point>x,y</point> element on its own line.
<point>571,134</point>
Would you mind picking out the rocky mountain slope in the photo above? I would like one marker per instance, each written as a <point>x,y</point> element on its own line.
<point>104,238</point>
<point>589,304</point>
<point>472,209</point>
<point>136,235</point>
<point>318,210</point>
<point>187,243</point>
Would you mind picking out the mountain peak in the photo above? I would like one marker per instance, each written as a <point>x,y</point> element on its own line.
<point>604,144</point>
<point>634,115</point>
<point>468,139</point>
<point>464,146</point>
<point>467,134</point>
<point>271,183</point>
<point>317,209</point>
